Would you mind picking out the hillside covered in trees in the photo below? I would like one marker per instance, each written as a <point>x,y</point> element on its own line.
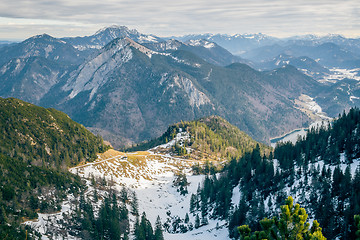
<point>318,171</point>
<point>37,146</point>
<point>44,137</point>
<point>209,136</point>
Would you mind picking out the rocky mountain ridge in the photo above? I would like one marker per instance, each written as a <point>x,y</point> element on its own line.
<point>117,88</point>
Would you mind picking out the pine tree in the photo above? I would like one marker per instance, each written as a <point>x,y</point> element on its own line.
<point>158,230</point>
<point>187,219</point>
<point>123,195</point>
<point>197,221</point>
<point>193,201</point>
<point>134,205</point>
<point>204,221</point>
<point>357,225</point>
<point>145,231</point>
<point>3,217</point>
<point>291,225</point>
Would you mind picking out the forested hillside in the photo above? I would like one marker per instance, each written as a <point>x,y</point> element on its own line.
<point>37,146</point>
<point>318,171</point>
<point>209,136</point>
<point>44,137</point>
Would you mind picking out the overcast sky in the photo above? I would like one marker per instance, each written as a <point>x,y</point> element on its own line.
<point>20,19</point>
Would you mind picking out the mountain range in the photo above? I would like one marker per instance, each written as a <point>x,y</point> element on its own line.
<point>128,87</point>
<point>195,179</point>
<point>332,50</point>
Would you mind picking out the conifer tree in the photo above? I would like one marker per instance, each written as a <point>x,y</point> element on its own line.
<point>134,205</point>
<point>291,225</point>
<point>144,230</point>
<point>187,219</point>
<point>158,235</point>
<point>193,201</point>
<point>197,221</point>
<point>204,221</point>
<point>357,226</point>
<point>124,195</point>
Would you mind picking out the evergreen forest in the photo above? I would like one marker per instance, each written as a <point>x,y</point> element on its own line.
<point>316,171</point>
<point>37,146</point>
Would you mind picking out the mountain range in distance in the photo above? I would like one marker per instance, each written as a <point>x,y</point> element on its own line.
<point>128,86</point>
<point>195,179</point>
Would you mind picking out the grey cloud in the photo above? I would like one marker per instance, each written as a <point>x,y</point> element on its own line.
<point>179,17</point>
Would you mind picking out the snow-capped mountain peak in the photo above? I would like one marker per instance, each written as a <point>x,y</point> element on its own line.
<point>201,42</point>
<point>106,35</point>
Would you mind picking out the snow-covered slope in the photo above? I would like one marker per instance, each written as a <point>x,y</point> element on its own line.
<point>150,174</point>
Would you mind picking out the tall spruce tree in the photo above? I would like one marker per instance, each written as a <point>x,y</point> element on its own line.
<point>158,235</point>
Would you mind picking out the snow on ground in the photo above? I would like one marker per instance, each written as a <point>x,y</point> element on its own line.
<point>338,74</point>
<point>210,231</point>
<point>310,107</point>
<point>150,175</point>
<point>180,138</point>
<point>300,190</point>
<point>49,225</point>
<point>308,103</point>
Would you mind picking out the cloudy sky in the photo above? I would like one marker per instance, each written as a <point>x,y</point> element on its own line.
<point>20,19</point>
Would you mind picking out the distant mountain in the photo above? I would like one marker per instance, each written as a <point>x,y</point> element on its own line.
<point>330,50</point>
<point>350,44</point>
<point>106,35</point>
<point>340,96</point>
<point>30,68</point>
<point>134,86</point>
<point>134,92</point>
<point>124,91</point>
<point>237,43</point>
<point>43,46</point>
<point>6,43</point>
<point>209,51</point>
<point>305,64</point>
<point>30,78</point>
<point>327,54</point>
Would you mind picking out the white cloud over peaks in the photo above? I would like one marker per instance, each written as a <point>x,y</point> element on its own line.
<point>279,17</point>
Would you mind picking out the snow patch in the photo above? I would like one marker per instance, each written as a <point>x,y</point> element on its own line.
<point>180,138</point>
<point>147,38</point>
<point>49,48</point>
<point>309,106</point>
<point>338,74</point>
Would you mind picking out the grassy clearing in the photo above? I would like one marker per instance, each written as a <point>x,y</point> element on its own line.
<point>136,165</point>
